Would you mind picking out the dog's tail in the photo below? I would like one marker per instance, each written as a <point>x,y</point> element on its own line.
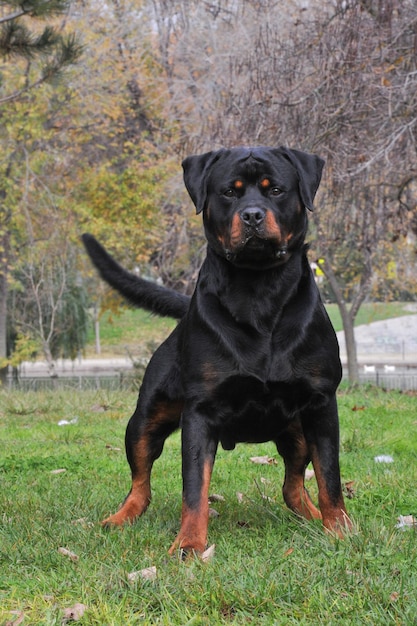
<point>138,291</point>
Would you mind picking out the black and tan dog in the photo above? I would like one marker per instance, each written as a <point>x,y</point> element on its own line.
<point>254,357</point>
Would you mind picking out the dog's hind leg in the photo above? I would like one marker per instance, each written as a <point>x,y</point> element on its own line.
<point>145,438</point>
<point>292,446</point>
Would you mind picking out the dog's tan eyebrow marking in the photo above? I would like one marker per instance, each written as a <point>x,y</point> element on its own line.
<point>265,182</point>
<point>238,184</point>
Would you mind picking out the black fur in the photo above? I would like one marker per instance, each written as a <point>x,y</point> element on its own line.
<point>254,357</point>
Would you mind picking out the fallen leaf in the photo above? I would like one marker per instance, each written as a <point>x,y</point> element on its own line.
<point>148,573</point>
<point>239,496</point>
<point>243,524</point>
<point>213,513</point>
<point>68,553</point>
<point>394,596</point>
<point>358,408</point>
<point>289,551</point>
<point>20,616</point>
<point>99,408</point>
<point>58,471</point>
<point>348,488</point>
<point>309,474</point>
<point>263,460</point>
<point>215,497</point>
<point>208,554</point>
<point>406,521</point>
<point>113,448</point>
<point>75,613</point>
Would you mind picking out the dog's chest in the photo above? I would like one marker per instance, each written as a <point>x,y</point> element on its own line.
<point>246,409</point>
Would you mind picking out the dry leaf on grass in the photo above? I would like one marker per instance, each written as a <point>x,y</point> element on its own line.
<point>213,513</point>
<point>406,521</point>
<point>215,497</point>
<point>309,474</point>
<point>348,489</point>
<point>263,460</point>
<point>71,555</point>
<point>99,408</point>
<point>20,616</point>
<point>243,524</point>
<point>58,471</point>
<point>74,613</point>
<point>148,573</point>
<point>239,497</point>
<point>113,448</point>
<point>208,554</point>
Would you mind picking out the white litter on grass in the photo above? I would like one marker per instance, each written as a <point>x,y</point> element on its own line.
<point>384,458</point>
<point>406,521</point>
<point>68,423</point>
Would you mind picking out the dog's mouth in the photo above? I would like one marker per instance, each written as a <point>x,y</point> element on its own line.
<point>258,252</point>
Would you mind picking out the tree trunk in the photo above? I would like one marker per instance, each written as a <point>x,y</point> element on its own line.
<point>4,245</point>
<point>3,322</point>
<point>348,324</point>
<point>351,352</point>
<point>96,315</point>
<point>50,361</point>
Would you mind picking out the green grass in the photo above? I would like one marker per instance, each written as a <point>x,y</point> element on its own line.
<point>130,329</point>
<point>269,566</point>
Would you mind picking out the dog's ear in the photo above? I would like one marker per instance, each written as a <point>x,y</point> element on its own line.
<point>196,170</point>
<point>309,168</point>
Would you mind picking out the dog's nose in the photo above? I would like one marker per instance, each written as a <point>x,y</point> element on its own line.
<point>252,216</point>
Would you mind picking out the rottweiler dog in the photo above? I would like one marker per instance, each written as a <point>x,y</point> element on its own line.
<point>254,357</point>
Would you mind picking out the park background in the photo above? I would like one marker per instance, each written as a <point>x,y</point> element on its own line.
<point>100,101</point>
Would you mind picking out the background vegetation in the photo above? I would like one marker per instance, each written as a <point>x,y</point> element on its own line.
<point>141,84</point>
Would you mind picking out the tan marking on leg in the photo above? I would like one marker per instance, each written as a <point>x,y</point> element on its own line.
<point>194,523</point>
<point>139,496</point>
<point>297,497</point>
<point>334,514</point>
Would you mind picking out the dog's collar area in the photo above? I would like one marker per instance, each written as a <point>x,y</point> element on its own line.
<point>279,257</point>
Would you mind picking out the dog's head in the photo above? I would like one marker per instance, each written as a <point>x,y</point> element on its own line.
<point>253,201</point>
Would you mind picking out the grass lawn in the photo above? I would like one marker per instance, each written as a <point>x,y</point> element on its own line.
<point>269,566</point>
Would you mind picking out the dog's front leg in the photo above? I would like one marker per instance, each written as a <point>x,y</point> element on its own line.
<point>321,430</point>
<point>199,447</point>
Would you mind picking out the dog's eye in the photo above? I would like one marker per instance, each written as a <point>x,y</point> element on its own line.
<point>275,191</point>
<point>229,193</point>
